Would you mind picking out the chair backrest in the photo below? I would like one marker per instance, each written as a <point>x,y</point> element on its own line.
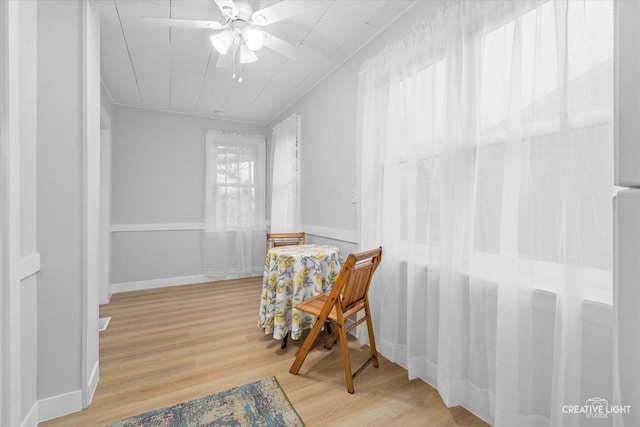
<point>355,277</point>
<point>284,239</point>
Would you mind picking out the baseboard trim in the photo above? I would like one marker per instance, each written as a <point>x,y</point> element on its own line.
<point>61,405</point>
<point>159,283</point>
<point>93,381</point>
<point>109,294</point>
<point>58,406</point>
<point>332,233</point>
<point>31,420</point>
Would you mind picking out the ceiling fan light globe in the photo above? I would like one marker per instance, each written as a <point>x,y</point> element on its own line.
<point>253,38</point>
<point>258,19</point>
<point>247,56</point>
<point>222,41</point>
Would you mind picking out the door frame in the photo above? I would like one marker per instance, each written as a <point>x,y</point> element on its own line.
<point>90,369</point>
<point>10,316</point>
<point>4,226</point>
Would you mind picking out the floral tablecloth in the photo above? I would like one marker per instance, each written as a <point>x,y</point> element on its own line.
<point>293,274</point>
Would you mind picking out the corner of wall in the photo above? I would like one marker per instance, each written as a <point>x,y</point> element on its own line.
<point>31,419</point>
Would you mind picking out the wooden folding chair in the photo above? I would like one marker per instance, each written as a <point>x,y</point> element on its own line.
<point>284,239</point>
<point>347,298</point>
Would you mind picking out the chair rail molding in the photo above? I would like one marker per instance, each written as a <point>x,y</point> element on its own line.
<point>349,236</point>
<point>183,226</point>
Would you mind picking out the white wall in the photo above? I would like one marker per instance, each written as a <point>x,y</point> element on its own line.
<point>106,102</point>
<point>17,149</point>
<point>59,203</point>
<point>42,140</point>
<point>28,286</point>
<point>158,163</point>
<point>328,154</point>
<point>627,205</point>
<point>44,108</point>
<point>106,112</point>
<point>4,212</point>
<point>91,197</point>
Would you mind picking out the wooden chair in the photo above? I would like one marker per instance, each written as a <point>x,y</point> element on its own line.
<point>284,239</point>
<point>347,297</point>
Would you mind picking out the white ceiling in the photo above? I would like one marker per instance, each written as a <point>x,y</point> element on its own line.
<point>174,69</point>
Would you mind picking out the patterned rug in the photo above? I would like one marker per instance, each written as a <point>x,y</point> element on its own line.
<point>261,403</point>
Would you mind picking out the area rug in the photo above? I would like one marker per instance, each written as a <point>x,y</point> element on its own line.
<point>261,403</point>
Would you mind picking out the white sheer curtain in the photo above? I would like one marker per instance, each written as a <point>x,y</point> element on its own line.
<point>285,203</point>
<point>485,168</point>
<point>234,237</point>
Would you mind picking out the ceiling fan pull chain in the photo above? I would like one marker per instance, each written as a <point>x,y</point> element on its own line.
<point>237,62</point>
<point>233,59</point>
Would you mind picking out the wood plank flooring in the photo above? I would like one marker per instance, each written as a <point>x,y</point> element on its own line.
<point>165,346</point>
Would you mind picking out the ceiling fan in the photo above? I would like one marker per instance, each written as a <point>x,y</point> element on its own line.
<point>241,33</point>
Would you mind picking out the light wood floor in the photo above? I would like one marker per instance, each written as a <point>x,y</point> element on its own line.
<point>170,345</point>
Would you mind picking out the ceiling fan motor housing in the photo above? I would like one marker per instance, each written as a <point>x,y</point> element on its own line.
<point>243,9</point>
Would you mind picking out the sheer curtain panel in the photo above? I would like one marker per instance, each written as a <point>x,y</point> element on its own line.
<point>234,237</point>
<point>485,144</point>
<point>285,200</point>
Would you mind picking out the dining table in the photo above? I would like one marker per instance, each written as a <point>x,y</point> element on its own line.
<point>293,274</point>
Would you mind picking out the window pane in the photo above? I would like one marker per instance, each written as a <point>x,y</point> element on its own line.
<point>236,204</point>
<point>563,163</point>
<point>235,207</point>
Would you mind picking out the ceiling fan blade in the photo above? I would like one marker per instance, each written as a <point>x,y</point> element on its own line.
<point>280,46</point>
<point>227,7</point>
<point>279,11</point>
<point>186,23</point>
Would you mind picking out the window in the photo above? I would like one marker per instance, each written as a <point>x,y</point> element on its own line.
<point>519,149</point>
<point>235,182</point>
<point>492,202</point>
<point>285,191</point>
<point>541,133</point>
<point>413,168</point>
<point>557,145</point>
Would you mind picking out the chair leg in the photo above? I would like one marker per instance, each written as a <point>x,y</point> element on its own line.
<point>327,325</point>
<point>372,340</point>
<point>345,358</point>
<point>306,346</point>
<point>333,336</point>
<point>331,340</point>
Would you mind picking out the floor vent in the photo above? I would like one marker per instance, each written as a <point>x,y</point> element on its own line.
<point>103,322</point>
